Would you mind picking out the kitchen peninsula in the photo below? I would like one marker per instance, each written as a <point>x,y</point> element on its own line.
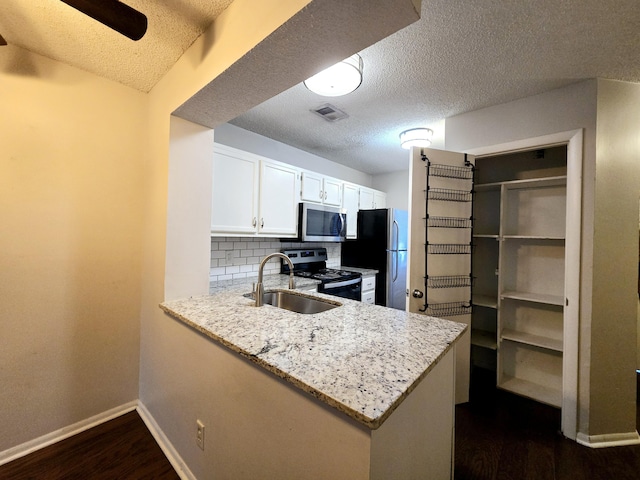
<point>381,379</point>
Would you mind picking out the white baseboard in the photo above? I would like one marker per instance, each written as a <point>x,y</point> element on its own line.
<point>167,447</point>
<point>608,440</point>
<point>66,432</point>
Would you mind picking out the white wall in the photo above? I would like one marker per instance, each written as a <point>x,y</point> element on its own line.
<point>189,199</point>
<point>71,200</point>
<point>396,186</point>
<point>232,136</point>
<point>615,274</point>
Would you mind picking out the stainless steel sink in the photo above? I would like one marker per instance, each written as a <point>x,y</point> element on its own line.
<point>298,303</point>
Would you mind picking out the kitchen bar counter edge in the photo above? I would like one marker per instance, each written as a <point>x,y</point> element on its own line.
<point>362,360</point>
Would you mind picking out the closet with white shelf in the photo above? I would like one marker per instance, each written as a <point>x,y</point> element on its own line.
<point>519,271</point>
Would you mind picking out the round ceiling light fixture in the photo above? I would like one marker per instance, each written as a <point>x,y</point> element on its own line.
<point>342,78</point>
<point>416,137</point>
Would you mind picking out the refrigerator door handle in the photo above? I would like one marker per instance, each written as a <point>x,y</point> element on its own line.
<point>396,237</point>
<point>395,258</point>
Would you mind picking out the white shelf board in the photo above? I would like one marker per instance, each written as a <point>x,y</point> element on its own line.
<point>479,187</point>
<point>526,183</point>
<point>530,339</point>
<point>485,235</point>
<point>540,393</point>
<point>532,237</point>
<point>482,338</point>
<point>534,297</point>
<point>537,182</point>
<point>484,301</point>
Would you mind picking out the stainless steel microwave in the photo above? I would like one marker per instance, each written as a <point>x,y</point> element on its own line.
<point>322,223</point>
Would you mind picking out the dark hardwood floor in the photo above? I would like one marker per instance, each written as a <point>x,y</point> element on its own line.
<point>499,436</point>
<point>503,436</point>
<point>121,449</point>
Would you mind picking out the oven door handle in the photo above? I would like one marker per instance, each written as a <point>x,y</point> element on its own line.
<point>344,283</point>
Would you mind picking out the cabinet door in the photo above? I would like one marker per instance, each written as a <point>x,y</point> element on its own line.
<point>278,200</point>
<point>366,199</point>
<point>234,200</point>
<point>332,192</point>
<point>379,200</point>
<point>350,203</point>
<point>312,187</point>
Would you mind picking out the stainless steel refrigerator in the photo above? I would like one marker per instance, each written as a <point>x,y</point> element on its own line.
<point>382,245</point>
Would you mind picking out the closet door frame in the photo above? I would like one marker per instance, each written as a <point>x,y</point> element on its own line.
<point>573,140</point>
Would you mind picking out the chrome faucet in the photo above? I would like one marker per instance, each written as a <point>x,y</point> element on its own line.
<point>259,291</point>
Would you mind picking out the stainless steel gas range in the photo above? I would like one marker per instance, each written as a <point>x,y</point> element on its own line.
<point>312,263</point>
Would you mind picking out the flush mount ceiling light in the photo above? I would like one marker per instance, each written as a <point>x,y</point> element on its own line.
<point>416,137</point>
<point>342,78</point>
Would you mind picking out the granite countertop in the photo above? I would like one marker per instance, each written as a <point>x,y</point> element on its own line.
<point>363,271</point>
<point>360,359</point>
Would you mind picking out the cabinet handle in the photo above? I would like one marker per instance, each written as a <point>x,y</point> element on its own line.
<point>255,221</point>
<point>325,195</point>
<point>321,194</point>
<point>261,222</point>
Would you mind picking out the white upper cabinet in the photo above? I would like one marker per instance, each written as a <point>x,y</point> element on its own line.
<point>332,192</point>
<point>366,199</point>
<point>320,189</point>
<point>311,190</point>
<point>370,199</point>
<point>234,201</point>
<point>253,195</point>
<point>350,203</point>
<point>278,200</point>
<point>379,199</point>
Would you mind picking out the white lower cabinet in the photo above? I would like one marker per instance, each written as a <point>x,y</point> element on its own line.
<point>253,195</point>
<point>368,289</point>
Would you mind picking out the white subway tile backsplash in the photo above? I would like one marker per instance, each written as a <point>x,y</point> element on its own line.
<point>217,271</point>
<point>246,254</point>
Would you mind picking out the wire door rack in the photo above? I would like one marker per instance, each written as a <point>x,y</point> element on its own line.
<point>452,190</point>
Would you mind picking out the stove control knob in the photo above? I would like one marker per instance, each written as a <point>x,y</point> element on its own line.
<point>417,294</point>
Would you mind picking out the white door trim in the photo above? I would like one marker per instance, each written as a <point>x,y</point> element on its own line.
<point>574,141</point>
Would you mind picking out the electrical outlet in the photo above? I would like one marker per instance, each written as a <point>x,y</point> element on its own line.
<point>200,434</point>
<point>229,256</point>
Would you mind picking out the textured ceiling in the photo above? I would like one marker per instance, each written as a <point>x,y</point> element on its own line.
<point>55,30</point>
<point>460,56</point>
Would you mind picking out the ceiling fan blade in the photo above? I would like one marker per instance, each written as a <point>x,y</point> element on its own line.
<point>2,40</point>
<point>114,14</point>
